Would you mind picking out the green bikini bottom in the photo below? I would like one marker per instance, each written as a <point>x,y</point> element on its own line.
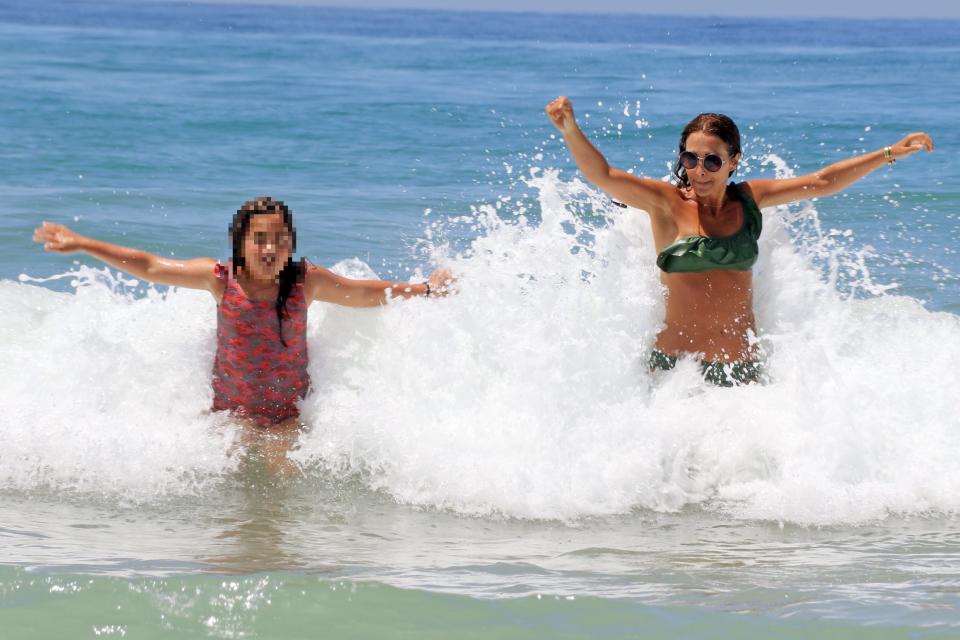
<point>722,374</point>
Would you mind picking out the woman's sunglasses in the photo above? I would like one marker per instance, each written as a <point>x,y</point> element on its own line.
<point>711,162</point>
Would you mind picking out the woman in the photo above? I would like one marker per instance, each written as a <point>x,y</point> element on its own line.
<point>705,232</point>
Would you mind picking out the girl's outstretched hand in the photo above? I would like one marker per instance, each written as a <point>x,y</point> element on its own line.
<point>441,282</point>
<point>56,237</point>
<point>561,114</point>
<point>911,143</point>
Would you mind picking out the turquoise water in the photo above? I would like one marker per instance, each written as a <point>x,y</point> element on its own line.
<point>498,464</point>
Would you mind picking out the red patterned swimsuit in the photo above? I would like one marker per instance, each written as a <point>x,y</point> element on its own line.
<point>254,375</point>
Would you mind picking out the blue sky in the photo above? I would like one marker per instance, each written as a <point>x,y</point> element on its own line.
<point>796,8</point>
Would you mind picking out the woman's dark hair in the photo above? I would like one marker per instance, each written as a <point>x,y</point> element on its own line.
<point>715,124</point>
<point>291,272</point>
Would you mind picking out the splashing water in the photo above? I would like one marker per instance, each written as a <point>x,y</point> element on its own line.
<point>526,395</point>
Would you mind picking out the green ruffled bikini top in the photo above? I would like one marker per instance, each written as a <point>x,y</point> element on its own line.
<point>737,252</point>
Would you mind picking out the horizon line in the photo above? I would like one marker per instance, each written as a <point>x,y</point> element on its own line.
<point>322,4</point>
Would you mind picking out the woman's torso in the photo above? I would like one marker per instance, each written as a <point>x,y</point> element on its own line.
<point>708,312</point>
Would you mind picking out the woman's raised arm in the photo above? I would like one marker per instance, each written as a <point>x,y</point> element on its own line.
<point>837,176</point>
<point>653,196</point>
<point>191,274</point>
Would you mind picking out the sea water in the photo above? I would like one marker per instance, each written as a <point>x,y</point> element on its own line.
<point>498,463</point>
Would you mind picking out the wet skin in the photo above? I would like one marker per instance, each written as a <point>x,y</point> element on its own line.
<point>710,313</point>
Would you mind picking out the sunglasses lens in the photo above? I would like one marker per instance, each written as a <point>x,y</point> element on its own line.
<point>688,160</point>
<point>712,163</point>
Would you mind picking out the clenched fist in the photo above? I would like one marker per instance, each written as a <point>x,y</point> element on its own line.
<point>561,114</point>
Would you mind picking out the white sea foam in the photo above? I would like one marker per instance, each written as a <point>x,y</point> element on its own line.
<point>525,395</point>
<point>105,392</point>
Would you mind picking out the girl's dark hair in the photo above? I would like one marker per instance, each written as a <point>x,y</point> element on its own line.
<point>715,124</point>
<point>291,272</point>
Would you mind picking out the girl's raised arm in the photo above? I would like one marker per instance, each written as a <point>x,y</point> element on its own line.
<point>192,274</point>
<point>653,196</point>
<point>835,177</point>
<point>326,286</point>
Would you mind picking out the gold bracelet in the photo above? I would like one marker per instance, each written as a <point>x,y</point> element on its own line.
<point>888,155</point>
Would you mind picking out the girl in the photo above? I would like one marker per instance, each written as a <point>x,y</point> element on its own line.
<point>260,368</point>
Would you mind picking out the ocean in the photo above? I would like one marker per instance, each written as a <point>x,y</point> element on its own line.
<point>499,463</point>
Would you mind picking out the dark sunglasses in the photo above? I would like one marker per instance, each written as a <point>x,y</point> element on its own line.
<point>711,162</point>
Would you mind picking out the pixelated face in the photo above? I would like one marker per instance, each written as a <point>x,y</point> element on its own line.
<point>267,246</point>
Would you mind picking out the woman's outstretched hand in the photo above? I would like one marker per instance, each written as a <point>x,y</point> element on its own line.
<point>56,237</point>
<point>441,282</point>
<point>911,143</point>
<point>561,114</point>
